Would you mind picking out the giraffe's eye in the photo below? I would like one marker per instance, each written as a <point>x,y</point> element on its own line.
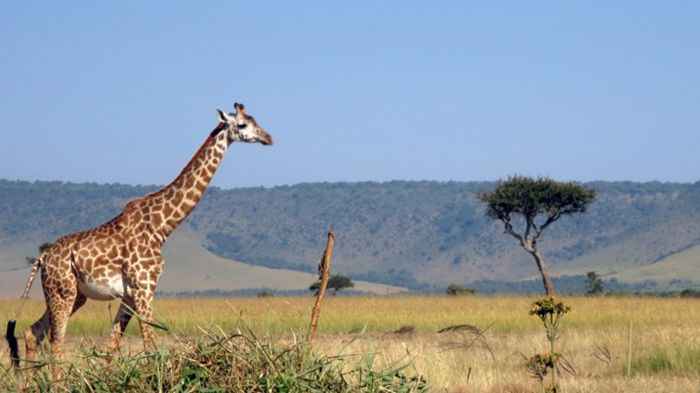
<point>242,126</point>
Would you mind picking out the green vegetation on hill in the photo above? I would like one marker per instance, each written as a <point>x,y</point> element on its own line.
<point>416,234</point>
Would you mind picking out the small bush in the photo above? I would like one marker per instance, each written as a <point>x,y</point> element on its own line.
<point>550,312</point>
<point>459,290</point>
<point>690,293</point>
<point>265,293</point>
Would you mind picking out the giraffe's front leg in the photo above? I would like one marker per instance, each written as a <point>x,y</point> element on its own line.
<point>121,321</point>
<point>144,279</point>
<point>144,310</point>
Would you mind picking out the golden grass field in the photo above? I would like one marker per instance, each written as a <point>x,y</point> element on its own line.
<point>598,336</point>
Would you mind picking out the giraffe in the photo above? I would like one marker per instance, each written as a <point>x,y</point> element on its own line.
<point>121,259</point>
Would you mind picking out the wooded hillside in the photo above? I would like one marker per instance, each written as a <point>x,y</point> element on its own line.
<point>405,233</point>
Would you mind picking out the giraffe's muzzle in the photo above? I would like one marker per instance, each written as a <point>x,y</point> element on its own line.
<point>264,137</point>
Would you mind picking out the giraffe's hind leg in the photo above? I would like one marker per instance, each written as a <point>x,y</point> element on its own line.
<point>34,335</point>
<point>60,311</point>
<point>63,299</point>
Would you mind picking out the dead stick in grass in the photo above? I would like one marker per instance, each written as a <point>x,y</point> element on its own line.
<point>324,271</point>
<point>12,342</point>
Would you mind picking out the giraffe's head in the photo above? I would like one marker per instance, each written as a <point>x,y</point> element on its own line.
<point>242,127</point>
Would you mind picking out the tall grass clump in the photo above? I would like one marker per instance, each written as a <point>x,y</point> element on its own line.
<point>217,363</point>
<point>674,360</point>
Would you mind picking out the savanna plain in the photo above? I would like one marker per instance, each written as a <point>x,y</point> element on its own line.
<point>611,344</point>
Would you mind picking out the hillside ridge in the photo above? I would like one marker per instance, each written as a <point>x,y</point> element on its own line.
<point>406,233</point>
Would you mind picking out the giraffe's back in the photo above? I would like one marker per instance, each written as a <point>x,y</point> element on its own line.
<point>94,257</point>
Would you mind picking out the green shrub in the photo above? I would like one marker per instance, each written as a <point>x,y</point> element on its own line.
<point>677,360</point>
<point>655,363</point>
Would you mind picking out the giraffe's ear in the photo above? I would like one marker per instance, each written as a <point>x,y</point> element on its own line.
<point>223,116</point>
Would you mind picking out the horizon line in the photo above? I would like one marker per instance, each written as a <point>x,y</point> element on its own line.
<point>72,182</point>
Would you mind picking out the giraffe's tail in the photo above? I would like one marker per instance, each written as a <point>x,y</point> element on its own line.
<point>11,324</point>
<point>36,265</point>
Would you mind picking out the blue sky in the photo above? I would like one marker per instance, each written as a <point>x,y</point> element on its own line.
<point>126,91</point>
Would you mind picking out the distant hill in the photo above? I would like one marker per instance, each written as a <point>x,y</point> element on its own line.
<point>415,234</point>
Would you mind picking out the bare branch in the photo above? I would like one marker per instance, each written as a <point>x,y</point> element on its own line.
<point>528,226</point>
<point>552,218</point>
<point>509,230</point>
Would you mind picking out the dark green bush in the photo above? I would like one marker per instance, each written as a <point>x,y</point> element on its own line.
<point>459,290</point>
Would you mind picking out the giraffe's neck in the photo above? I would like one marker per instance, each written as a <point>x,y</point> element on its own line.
<point>168,207</point>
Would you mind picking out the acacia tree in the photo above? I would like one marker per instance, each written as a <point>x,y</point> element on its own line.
<point>539,202</point>
<point>336,283</point>
<point>594,284</point>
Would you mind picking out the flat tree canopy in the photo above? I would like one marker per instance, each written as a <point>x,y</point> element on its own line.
<point>540,202</point>
<point>335,282</point>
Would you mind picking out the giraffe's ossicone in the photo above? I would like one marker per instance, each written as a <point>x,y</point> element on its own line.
<point>121,259</point>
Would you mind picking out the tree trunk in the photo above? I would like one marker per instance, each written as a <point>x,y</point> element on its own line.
<point>324,271</point>
<point>539,260</point>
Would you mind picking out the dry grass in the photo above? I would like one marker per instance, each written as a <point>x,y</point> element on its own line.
<point>665,343</point>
